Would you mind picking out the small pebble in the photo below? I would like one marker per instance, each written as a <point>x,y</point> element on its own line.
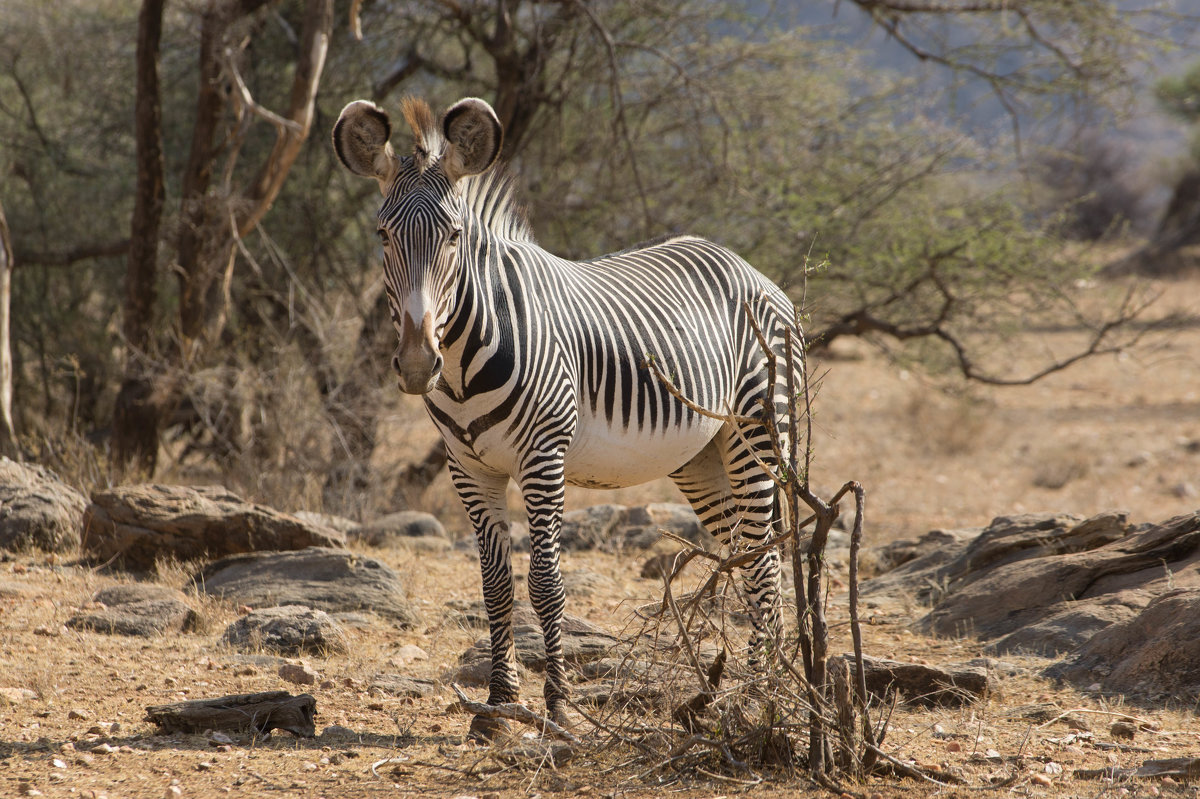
<point>76,713</point>
<point>1123,729</point>
<point>204,765</point>
<point>104,749</point>
<point>173,791</point>
<point>220,738</point>
<point>299,673</point>
<point>1041,779</point>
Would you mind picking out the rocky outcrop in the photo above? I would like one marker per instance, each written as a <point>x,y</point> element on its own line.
<point>135,526</point>
<point>328,579</point>
<point>37,509</point>
<point>138,610</point>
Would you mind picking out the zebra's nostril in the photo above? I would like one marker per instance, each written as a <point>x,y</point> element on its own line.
<point>437,364</point>
<point>396,363</point>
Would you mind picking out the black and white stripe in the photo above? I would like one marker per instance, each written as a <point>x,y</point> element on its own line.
<point>545,380</point>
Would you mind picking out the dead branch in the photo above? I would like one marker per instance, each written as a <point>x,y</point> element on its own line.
<point>514,711</point>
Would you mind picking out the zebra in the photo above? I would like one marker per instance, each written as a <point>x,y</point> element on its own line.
<point>601,373</point>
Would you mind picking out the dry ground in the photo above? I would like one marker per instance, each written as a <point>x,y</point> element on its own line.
<point>1120,431</point>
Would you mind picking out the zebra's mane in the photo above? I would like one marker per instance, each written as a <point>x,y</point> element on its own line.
<point>490,196</point>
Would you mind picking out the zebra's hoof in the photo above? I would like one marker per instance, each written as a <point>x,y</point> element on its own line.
<point>484,730</point>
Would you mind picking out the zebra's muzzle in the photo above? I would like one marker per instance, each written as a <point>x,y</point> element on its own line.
<point>417,361</point>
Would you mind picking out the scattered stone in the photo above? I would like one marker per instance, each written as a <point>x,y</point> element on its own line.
<point>137,609</point>
<point>299,673</point>
<point>288,630</point>
<point>331,580</point>
<point>1123,730</point>
<point>76,714</point>
<point>48,631</point>
<point>409,653</point>
<point>399,685</point>
<point>615,527</point>
<point>583,583</point>
<point>16,696</point>
<point>38,511</point>
<point>347,527</point>
<point>336,732</point>
<point>386,530</point>
<point>135,526</point>
<point>219,737</point>
<point>582,642</point>
<point>662,565</point>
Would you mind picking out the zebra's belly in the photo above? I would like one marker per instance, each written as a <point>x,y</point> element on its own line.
<point>603,455</point>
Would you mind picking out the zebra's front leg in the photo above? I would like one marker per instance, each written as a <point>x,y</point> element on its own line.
<point>544,488</point>
<point>484,498</point>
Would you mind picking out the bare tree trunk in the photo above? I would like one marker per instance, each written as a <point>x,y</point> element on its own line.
<point>8,436</point>
<point>135,417</point>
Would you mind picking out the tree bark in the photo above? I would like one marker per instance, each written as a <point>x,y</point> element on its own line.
<point>135,417</point>
<point>8,436</point>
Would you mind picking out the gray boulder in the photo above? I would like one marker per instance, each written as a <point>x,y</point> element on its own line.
<point>139,610</point>
<point>1154,654</point>
<point>615,527</point>
<point>329,579</point>
<point>37,509</point>
<point>288,630</point>
<point>135,526</point>
<point>1052,598</point>
<point>386,530</point>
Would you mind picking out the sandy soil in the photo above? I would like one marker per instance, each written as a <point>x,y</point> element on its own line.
<point>1120,431</point>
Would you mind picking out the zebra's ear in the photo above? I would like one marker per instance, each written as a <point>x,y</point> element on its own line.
<point>360,138</point>
<point>473,136</point>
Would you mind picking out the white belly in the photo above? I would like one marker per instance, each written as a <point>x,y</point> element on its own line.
<point>603,456</point>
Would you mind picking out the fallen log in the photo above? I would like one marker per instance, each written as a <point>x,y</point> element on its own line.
<point>261,713</point>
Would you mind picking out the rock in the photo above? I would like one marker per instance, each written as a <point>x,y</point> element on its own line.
<point>614,527</point>
<point>1062,592</point>
<point>1153,654</point>
<point>950,686</point>
<point>135,526</point>
<point>426,544</point>
<point>299,673</point>
<point>16,696</point>
<point>1123,730</point>
<point>331,580</point>
<point>288,630</point>
<point>582,642</point>
<point>136,609</point>
<point>38,511</point>
<point>399,685</point>
<point>403,524</point>
<point>662,565</point>
<point>583,583</point>
<point>347,527</point>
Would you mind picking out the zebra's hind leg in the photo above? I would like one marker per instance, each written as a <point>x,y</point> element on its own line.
<point>484,498</point>
<point>735,502</point>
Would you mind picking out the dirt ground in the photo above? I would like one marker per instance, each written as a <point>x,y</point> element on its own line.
<point>1120,431</point>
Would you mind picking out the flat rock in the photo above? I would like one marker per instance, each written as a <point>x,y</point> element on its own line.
<point>614,527</point>
<point>582,642</point>
<point>1054,601</point>
<point>331,580</point>
<point>38,511</point>
<point>287,630</point>
<point>135,526</point>
<point>403,686</point>
<point>403,524</point>
<point>1151,655</point>
<point>139,610</point>
<point>946,561</point>
<point>347,527</point>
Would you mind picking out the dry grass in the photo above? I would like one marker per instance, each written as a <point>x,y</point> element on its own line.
<point>1126,431</point>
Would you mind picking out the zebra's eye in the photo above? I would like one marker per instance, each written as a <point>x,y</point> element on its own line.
<point>455,235</point>
<point>383,236</point>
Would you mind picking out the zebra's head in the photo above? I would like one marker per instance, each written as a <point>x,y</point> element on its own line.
<point>423,214</point>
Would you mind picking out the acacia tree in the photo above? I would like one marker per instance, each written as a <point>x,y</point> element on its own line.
<point>213,217</point>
